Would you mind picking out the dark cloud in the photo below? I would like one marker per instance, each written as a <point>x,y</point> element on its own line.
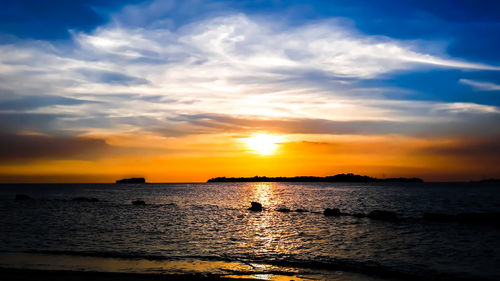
<point>466,123</point>
<point>105,121</point>
<point>129,96</point>
<point>15,122</point>
<point>470,147</point>
<point>26,148</point>
<point>109,77</point>
<point>460,124</point>
<point>33,102</point>
<point>29,147</point>
<point>226,123</point>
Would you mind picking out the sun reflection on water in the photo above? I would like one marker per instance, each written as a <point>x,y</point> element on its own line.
<point>266,230</point>
<point>264,194</point>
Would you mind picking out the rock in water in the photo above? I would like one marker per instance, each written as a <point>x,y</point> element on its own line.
<point>283,210</point>
<point>383,215</point>
<point>331,212</point>
<point>257,207</point>
<point>23,197</point>
<point>138,202</point>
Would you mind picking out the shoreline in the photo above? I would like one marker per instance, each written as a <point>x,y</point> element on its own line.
<point>23,266</point>
<point>17,274</point>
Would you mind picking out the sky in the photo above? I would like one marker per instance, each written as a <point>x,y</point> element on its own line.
<point>182,91</point>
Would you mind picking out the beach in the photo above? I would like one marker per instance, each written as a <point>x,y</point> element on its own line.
<point>47,275</point>
<point>31,266</point>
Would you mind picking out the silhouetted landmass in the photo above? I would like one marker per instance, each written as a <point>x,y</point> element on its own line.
<point>487,181</point>
<point>132,180</point>
<point>337,178</point>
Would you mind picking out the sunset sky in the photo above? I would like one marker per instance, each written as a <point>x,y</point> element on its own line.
<point>181,91</point>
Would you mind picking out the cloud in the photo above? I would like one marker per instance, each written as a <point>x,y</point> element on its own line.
<point>16,122</point>
<point>218,123</point>
<point>33,102</point>
<point>241,42</point>
<point>30,146</point>
<point>110,77</point>
<point>472,147</point>
<point>480,85</point>
<point>301,78</point>
<point>15,147</point>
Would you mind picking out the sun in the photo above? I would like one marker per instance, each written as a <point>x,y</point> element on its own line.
<point>263,144</point>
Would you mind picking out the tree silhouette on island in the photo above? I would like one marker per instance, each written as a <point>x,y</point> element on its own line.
<point>132,180</point>
<point>336,178</point>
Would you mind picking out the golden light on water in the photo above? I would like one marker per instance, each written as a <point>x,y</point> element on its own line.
<point>263,192</point>
<point>263,144</point>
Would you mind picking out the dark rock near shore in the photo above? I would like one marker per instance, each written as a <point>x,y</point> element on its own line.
<point>383,215</point>
<point>301,211</point>
<point>132,180</point>
<point>256,207</point>
<point>138,202</point>
<point>23,197</point>
<point>85,199</point>
<point>284,210</point>
<point>331,212</point>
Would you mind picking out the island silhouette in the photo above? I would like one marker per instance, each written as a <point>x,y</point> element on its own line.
<point>336,178</point>
<point>132,180</point>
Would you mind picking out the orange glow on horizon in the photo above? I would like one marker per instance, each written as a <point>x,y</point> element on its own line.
<point>197,158</point>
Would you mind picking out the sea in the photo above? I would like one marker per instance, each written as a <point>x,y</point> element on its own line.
<point>207,228</point>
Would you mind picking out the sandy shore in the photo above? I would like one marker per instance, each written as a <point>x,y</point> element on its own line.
<point>8,274</point>
<point>37,266</point>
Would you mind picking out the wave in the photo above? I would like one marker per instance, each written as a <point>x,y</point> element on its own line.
<point>400,271</point>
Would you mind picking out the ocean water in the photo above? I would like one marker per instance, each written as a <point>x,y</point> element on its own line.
<point>210,223</point>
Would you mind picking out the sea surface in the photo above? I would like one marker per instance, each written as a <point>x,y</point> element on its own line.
<point>207,227</point>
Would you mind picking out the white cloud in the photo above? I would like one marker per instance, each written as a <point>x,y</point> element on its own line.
<point>234,65</point>
<point>480,85</point>
<point>465,107</point>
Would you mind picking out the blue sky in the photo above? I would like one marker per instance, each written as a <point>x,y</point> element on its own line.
<point>310,70</point>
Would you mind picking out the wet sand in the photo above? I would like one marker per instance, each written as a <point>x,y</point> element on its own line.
<point>36,266</point>
<point>11,274</point>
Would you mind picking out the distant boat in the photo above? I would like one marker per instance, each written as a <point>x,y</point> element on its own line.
<point>132,180</point>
